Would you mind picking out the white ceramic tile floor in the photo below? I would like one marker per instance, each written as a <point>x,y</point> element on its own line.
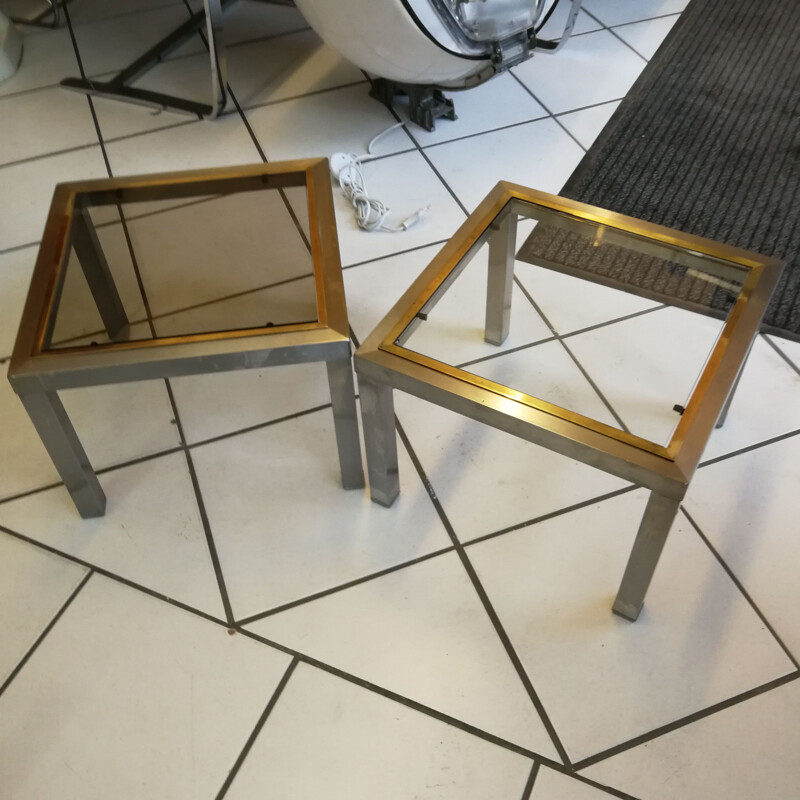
<point>563,85</point>
<point>646,37</point>
<point>401,667</point>
<point>587,123</point>
<point>365,745</point>
<point>472,167</point>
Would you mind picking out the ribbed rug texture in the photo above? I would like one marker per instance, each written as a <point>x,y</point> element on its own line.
<point>708,139</point>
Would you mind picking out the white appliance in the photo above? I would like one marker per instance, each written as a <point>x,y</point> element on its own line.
<point>452,44</point>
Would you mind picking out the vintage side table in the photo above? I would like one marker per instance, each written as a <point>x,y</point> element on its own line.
<point>178,274</point>
<point>684,274</point>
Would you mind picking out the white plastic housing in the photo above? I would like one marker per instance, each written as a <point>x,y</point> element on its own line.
<point>381,37</point>
<point>10,48</point>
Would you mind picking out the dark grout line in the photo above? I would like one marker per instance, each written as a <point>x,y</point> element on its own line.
<point>201,507</point>
<point>683,722</point>
<point>41,637</point>
<point>421,151</point>
<point>574,358</point>
<point>114,577</point>
<point>610,790</point>
<point>48,154</point>
<point>609,322</point>
<point>341,587</point>
<point>404,701</point>
<point>550,114</point>
<point>553,514</point>
<point>740,586</point>
<point>257,730</point>
<point>527,791</point>
<point>485,601</point>
<point>16,247</point>
<point>465,137</point>
<point>29,492</point>
<point>375,260</point>
<point>748,449</point>
<point>259,425</point>
<point>290,210</point>
<point>768,339</point>
<point>508,351</point>
<point>204,304</point>
<point>586,108</point>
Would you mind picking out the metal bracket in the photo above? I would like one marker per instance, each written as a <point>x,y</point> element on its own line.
<point>426,104</point>
<point>41,19</point>
<point>119,88</point>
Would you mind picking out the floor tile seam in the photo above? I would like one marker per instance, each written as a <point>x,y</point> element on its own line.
<point>739,584</point>
<point>201,509</point>
<point>527,790</point>
<point>175,57</point>
<point>172,450</point>
<point>263,156</point>
<point>485,601</point>
<point>628,45</point>
<point>589,107</point>
<point>607,323</point>
<point>403,700</point>
<point>109,74</point>
<point>251,739</point>
<point>45,631</point>
<point>781,353</point>
<point>506,352</point>
<point>296,97</point>
<point>611,791</point>
<point>749,448</point>
<point>552,515</point>
<point>244,621</point>
<point>204,304</point>
<point>132,462</point>
<point>15,248</point>
<point>376,259</point>
<point>689,719</point>
<point>132,12</point>
<point>303,658</point>
<point>50,154</point>
<point>314,93</point>
<point>113,576</point>
<point>432,167</point>
<point>550,114</point>
<point>488,131</point>
<point>573,357</point>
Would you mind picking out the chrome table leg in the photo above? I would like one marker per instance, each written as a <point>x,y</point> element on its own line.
<point>502,249</point>
<point>345,420</point>
<point>380,440</point>
<point>61,442</point>
<point>653,529</point>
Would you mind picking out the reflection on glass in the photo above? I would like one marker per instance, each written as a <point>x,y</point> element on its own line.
<point>603,323</point>
<point>201,265</point>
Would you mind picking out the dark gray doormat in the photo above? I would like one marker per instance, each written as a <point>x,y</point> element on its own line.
<point>708,141</point>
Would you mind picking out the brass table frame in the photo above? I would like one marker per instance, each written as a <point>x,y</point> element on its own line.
<point>37,373</point>
<point>383,364</point>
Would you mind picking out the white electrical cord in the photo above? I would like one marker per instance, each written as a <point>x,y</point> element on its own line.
<point>371,214</point>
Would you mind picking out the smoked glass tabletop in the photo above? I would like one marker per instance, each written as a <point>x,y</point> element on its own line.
<point>608,327</point>
<point>196,265</point>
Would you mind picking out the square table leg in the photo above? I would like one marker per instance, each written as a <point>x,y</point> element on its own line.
<point>98,275</point>
<point>500,282</point>
<point>62,443</point>
<point>653,529</point>
<point>345,420</point>
<point>380,440</point>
